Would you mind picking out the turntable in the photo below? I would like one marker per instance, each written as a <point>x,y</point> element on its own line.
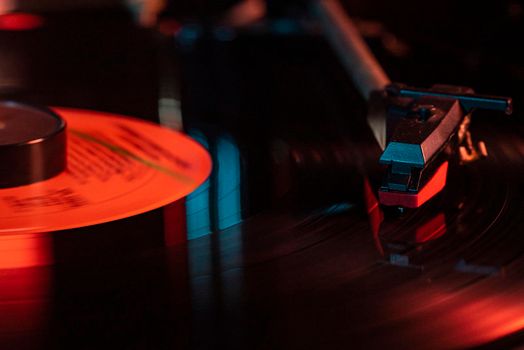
<point>264,175</point>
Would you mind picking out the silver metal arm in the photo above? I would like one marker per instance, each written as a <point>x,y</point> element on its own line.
<point>356,57</point>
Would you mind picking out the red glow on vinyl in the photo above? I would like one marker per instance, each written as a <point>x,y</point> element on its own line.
<point>25,250</point>
<point>24,302</point>
<point>487,319</point>
<point>175,226</point>
<point>432,229</point>
<point>375,214</point>
<point>20,21</point>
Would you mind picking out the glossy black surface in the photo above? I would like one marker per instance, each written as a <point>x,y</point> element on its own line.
<point>294,260</point>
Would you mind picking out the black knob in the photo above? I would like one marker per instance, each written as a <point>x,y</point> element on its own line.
<point>32,144</point>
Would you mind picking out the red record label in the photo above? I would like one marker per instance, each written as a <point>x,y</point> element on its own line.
<point>117,167</point>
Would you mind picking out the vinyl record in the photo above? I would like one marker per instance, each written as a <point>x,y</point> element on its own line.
<point>117,167</point>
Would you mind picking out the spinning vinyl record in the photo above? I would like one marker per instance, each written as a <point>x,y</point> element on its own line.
<point>116,167</point>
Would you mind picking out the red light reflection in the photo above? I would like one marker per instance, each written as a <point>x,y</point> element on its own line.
<point>20,21</point>
<point>375,214</point>
<point>25,250</point>
<point>24,284</point>
<point>24,300</point>
<point>432,229</point>
<point>471,316</point>
<point>175,225</point>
